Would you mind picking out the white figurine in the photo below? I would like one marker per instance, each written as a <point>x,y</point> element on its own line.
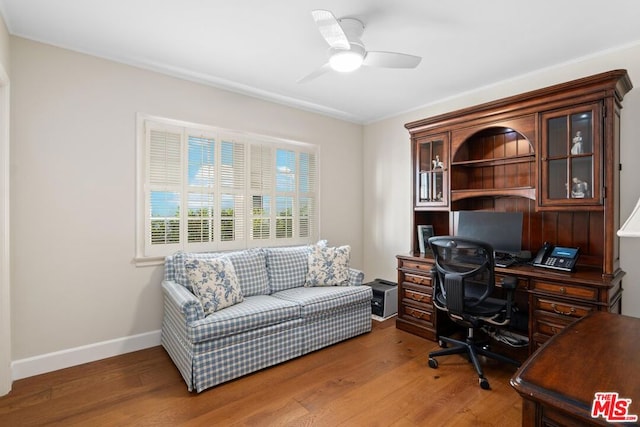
<point>576,147</point>
<point>437,164</point>
<point>579,188</point>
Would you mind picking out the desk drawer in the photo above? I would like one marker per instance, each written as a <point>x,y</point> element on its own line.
<point>562,289</point>
<point>418,294</point>
<point>551,325</point>
<point>415,265</point>
<point>546,325</point>
<point>419,314</point>
<point>523,283</point>
<point>418,280</point>
<point>562,308</point>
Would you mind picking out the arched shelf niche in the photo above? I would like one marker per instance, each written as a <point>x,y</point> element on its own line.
<point>495,161</point>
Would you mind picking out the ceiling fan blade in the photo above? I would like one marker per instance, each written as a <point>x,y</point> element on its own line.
<point>330,29</point>
<point>391,60</point>
<point>317,73</point>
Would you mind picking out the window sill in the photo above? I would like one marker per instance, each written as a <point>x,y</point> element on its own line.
<point>148,261</point>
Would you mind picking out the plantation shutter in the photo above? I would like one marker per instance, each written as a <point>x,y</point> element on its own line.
<point>307,185</point>
<point>286,172</point>
<point>163,191</point>
<point>261,173</point>
<point>201,196</point>
<point>232,192</point>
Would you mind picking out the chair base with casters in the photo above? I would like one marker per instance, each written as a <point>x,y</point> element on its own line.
<point>472,349</point>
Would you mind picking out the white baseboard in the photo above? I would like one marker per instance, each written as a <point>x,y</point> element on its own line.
<point>380,318</point>
<point>76,356</point>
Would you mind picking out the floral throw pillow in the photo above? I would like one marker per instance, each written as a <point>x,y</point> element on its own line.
<point>328,266</point>
<point>214,282</point>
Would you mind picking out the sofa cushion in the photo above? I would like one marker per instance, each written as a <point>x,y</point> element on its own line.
<point>214,282</point>
<point>250,267</point>
<point>328,266</point>
<point>318,300</point>
<point>254,312</point>
<point>287,267</point>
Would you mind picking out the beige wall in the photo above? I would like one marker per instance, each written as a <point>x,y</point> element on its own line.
<point>5,306</point>
<point>4,45</point>
<point>73,189</point>
<point>387,155</point>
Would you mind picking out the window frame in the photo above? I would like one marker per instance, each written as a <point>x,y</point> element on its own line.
<point>151,254</point>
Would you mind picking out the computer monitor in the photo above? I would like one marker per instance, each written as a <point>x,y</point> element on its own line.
<point>502,230</point>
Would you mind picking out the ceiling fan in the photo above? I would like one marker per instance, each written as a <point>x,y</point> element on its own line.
<point>346,51</point>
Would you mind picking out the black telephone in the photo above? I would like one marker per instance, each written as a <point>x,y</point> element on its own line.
<point>556,257</point>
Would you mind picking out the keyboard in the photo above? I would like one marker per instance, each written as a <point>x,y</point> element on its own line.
<point>498,261</point>
<point>503,261</point>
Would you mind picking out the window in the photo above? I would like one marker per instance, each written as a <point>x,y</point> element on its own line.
<point>202,188</point>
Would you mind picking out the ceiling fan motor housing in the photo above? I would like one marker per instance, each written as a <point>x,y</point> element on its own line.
<point>352,28</point>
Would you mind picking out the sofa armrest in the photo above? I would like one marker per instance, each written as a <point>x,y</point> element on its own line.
<point>182,301</point>
<point>355,277</point>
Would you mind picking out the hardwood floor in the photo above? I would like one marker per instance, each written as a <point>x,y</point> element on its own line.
<point>377,379</point>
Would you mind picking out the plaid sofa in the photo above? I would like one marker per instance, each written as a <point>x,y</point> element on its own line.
<point>278,320</point>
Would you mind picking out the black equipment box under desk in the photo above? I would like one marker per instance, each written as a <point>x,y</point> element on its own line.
<point>385,298</point>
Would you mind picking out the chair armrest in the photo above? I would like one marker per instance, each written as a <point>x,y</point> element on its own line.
<point>355,277</point>
<point>510,283</point>
<point>182,301</point>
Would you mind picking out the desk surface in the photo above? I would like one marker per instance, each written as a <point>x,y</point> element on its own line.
<point>582,275</point>
<point>572,366</point>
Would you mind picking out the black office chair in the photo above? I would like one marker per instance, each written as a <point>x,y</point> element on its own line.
<point>464,283</point>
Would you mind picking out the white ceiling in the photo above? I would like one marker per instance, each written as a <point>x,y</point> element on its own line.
<point>262,48</point>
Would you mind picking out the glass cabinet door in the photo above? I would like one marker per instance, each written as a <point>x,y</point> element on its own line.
<point>570,157</point>
<point>432,166</point>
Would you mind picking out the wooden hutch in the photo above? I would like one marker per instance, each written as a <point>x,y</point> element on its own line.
<point>552,154</point>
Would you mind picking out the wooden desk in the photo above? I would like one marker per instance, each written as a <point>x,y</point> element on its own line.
<point>551,300</point>
<point>598,353</point>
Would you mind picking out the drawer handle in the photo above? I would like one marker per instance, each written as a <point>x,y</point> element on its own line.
<point>563,291</point>
<point>571,311</point>
<point>419,297</point>
<point>417,314</point>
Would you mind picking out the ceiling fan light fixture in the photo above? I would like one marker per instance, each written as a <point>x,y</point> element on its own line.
<point>346,51</point>
<point>345,61</point>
